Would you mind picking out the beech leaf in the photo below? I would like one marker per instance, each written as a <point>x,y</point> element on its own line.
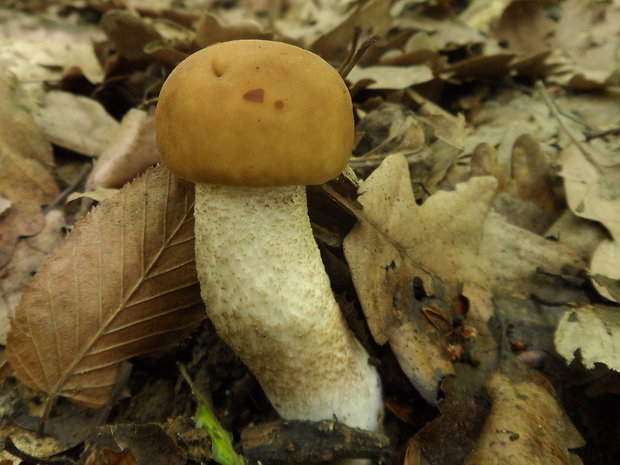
<point>122,284</point>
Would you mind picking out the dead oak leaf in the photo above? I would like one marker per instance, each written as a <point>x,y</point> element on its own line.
<point>441,237</point>
<point>122,284</point>
<point>592,186</point>
<point>399,240</point>
<point>593,332</point>
<point>526,424</point>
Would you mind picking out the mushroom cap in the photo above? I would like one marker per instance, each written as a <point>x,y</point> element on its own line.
<point>255,113</point>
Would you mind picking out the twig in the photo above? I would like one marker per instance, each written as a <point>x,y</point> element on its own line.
<point>356,53</point>
<point>69,190</point>
<point>294,441</point>
<point>599,134</point>
<point>357,32</point>
<point>556,113</point>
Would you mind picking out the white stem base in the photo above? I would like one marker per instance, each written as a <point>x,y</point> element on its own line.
<point>268,295</point>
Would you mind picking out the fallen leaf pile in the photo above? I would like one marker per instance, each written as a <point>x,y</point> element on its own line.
<point>474,242</point>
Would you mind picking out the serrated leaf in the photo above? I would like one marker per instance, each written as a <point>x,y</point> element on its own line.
<point>123,284</point>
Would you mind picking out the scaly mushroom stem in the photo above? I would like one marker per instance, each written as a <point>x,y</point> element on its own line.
<point>268,295</point>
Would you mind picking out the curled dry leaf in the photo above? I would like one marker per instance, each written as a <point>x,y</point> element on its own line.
<point>129,153</point>
<point>526,424</point>
<point>123,284</point>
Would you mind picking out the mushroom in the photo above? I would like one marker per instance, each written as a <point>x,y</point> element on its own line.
<point>253,122</point>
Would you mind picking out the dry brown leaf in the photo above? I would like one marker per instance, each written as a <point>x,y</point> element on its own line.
<point>129,33</point>
<point>17,274</point>
<point>526,425</point>
<point>147,444</point>
<point>129,153</point>
<point>482,66</point>
<point>515,255</point>
<point>25,160</point>
<point>123,284</point>
<point>388,129</point>
<point>531,174</point>
<point>524,26</point>
<point>373,17</point>
<point>211,29</point>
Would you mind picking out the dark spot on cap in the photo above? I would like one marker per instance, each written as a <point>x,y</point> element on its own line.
<point>279,104</point>
<point>255,95</point>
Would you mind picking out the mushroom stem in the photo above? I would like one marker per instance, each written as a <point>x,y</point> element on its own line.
<point>268,295</point>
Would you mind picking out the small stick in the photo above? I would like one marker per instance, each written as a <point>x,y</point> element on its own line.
<point>599,134</point>
<point>295,441</point>
<point>69,190</point>
<point>356,53</point>
<point>556,113</point>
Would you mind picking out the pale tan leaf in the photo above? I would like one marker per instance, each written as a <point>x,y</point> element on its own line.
<point>122,284</point>
<point>480,14</point>
<point>98,195</point>
<point>509,257</point>
<point>38,48</point>
<point>592,187</point>
<point>77,123</point>
<point>592,331</point>
<point>5,204</point>
<point>391,77</point>
<point>129,153</point>
<point>526,426</point>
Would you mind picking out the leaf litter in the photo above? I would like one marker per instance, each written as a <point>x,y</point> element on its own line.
<point>479,244</point>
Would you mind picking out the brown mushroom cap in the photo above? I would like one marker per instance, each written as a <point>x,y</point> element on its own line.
<point>255,113</point>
